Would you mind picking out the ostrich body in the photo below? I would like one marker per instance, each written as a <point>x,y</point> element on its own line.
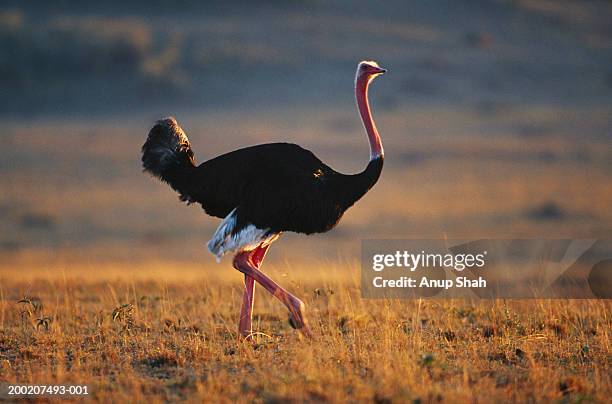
<point>262,191</point>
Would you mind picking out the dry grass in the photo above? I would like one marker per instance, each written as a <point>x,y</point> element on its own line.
<point>160,333</point>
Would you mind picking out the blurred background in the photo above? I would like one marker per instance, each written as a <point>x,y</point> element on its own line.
<point>496,118</point>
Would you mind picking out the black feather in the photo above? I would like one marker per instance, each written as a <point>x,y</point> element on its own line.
<point>168,156</point>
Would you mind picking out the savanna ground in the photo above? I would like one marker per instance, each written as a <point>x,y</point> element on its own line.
<point>154,336</point>
<point>496,119</point>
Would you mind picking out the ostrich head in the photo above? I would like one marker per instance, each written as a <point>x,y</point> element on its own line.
<point>368,70</point>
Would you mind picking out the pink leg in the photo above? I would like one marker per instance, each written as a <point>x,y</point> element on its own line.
<point>244,263</point>
<point>245,325</point>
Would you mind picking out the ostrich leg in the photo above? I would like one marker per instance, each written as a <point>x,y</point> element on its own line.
<point>245,325</point>
<point>246,313</point>
<point>243,262</point>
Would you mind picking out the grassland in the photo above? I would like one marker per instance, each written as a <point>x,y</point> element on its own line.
<point>157,333</point>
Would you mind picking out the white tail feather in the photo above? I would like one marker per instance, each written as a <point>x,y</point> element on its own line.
<point>248,238</point>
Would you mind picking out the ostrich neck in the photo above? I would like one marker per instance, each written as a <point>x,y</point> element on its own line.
<point>350,188</point>
<point>361,93</point>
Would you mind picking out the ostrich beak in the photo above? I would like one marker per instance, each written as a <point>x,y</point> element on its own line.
<point>380,70</point>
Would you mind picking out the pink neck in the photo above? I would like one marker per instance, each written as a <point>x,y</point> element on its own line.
<point>361,93</point>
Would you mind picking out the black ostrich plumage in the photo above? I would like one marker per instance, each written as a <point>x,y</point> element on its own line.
<point>275,186</point>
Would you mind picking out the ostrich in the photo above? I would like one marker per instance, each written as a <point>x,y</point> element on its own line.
<point>262,191</point>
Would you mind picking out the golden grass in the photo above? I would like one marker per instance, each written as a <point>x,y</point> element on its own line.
<point>161,331</point>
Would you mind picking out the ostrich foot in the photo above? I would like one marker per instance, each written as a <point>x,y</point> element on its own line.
<point>297,319</point>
